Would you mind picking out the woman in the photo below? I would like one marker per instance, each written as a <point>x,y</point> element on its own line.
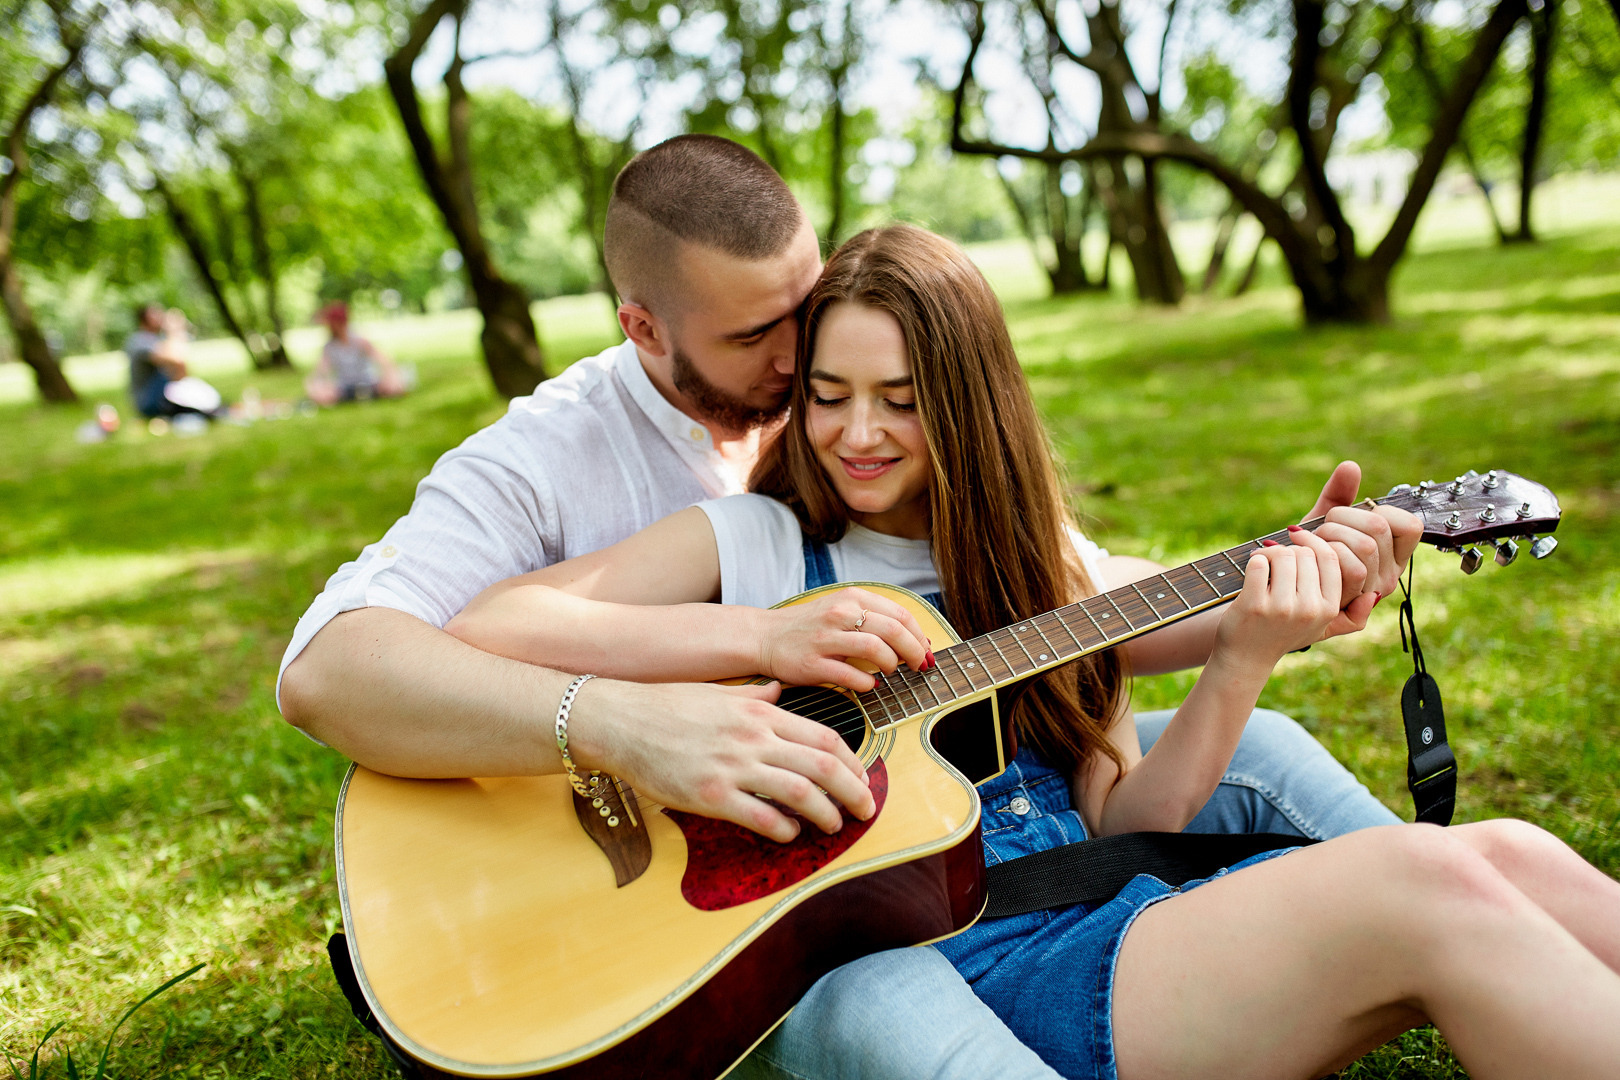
<point>915,457</point>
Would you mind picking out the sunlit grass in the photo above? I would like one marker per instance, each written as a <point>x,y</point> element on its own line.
<point>156,813</point>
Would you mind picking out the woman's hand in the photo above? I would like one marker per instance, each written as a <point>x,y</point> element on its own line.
<point>1290,598</point>
<point>812,643</point>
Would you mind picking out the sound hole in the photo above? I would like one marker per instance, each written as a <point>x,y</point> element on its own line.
<point>827,706</point>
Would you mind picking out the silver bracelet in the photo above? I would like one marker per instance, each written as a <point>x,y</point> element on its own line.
<point>579,783</point>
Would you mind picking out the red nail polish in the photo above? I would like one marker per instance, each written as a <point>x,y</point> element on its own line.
<point>1269,543</point>
<point>930,663</point>
<point>1377,596</point>
<point>1296,528</point>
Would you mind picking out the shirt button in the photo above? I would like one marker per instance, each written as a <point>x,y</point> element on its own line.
<point>697,434</point>
<point>1019,805</point>
<point>389,551</point>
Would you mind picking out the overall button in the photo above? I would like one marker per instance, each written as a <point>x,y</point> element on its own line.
<point>1019,805</point>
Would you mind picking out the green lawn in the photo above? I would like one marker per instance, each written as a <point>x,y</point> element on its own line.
<point>155,812</point>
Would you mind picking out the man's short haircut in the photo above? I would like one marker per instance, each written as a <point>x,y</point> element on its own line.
<point>696,189</point>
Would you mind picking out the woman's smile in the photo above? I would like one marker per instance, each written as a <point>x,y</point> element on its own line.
<point>867,468</point>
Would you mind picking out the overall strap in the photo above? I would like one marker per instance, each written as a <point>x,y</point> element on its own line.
<point>818,571</point>
<point>818,567</point>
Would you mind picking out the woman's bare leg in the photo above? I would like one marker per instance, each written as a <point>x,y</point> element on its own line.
<point>1298,966</point>
<point>1583,899</point>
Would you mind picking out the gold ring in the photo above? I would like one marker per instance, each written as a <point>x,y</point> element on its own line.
<point>860,622</point>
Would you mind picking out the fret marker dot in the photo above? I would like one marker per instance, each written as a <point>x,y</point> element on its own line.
<point>933,678</point>
<point>1021,629</point>
<point>1043,656</point>
<point>1105,614</point>
<point>969,664</point>
<point>1220,573</point>
<point>1159,596</point>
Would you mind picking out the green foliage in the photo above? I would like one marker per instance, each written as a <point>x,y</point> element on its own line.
<point>1583,118</point>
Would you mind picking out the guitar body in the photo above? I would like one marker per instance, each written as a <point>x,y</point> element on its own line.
<point>490,938</point>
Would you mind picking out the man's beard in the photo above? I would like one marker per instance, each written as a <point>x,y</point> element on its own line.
<point>716,406</point>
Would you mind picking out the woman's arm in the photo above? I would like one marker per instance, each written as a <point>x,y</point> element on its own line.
<point>639,610</point>
<point>642,609</point>
<point>1290,596</point>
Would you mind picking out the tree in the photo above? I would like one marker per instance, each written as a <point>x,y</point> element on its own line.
<point>1335,279</point>
<point>1127,184</point>
<point>511,346</point>
<point>20,109</point>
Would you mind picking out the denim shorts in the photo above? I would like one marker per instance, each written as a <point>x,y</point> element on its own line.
<point>1049,975</point>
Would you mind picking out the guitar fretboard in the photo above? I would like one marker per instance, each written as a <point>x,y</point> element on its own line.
<point>1015,652</point>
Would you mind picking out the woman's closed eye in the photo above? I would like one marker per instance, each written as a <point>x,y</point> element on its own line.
<point>826,402</point>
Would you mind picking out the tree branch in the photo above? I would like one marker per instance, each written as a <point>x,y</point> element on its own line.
<point>16,140</point>
<point>1447,126</point>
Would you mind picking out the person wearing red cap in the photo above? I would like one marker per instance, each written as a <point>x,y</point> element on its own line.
<point>351,368</point>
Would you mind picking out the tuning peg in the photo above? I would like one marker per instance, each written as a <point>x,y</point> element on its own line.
<point>1544,547</point>
<point>1471,558</point>
<point>1506,551</point>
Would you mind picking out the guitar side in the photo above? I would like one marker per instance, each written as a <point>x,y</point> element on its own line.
<point>489,938</point>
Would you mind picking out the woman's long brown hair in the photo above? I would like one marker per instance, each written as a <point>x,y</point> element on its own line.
<point>998,516</point>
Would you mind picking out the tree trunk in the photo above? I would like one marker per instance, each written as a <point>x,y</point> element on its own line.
<point>837,165</point>
<point>1068,270</point>
<point>1224,229</point>
<point>265,263</point>
<point>1543,30</point>
<point>511,346</point>
<point>32,348</point>
<point>191,239</point>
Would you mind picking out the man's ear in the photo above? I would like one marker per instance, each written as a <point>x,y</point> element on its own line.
<point>647,330</point>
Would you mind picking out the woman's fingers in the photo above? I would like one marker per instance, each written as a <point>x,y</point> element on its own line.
<point>895,625</point>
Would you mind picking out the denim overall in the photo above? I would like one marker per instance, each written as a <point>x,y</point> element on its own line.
<point>1049,975</point>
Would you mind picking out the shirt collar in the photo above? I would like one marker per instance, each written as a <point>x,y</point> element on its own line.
<point>689,438</point>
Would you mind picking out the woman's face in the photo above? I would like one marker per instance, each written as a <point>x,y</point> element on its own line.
<point>862,420</point>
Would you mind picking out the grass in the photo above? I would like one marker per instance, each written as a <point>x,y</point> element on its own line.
<point>155,813</point>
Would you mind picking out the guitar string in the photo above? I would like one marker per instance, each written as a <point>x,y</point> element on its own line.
<point>896,683</point>
<point>854,719</point>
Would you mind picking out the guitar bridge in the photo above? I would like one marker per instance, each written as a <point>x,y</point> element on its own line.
<point>611,818</point>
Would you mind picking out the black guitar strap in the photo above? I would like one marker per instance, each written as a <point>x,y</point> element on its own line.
<point>1431,768</point>
<point>1093,871</point>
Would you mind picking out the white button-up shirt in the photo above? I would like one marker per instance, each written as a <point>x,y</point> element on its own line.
<point>589,458</point>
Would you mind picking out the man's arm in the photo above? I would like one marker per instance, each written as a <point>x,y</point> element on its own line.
<point>402,697</point>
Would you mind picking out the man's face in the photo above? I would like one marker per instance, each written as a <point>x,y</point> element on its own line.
<point>151,317</point>
<point>733,341</point>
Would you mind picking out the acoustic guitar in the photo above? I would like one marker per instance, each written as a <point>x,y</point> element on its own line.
<point>508,927</point>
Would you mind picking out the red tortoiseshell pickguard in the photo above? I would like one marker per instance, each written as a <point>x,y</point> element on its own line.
<point>727,865</point>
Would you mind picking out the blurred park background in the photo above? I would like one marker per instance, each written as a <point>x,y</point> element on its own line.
<point>1237,240</point>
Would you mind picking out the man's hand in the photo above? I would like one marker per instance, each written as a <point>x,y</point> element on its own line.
<point>713,750</point>
<point>1373,545</point>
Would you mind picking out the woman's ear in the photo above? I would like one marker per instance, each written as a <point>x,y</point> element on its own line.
<point>647,330</point>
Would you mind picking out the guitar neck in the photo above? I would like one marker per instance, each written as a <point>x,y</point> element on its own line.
<point>1014,653</point>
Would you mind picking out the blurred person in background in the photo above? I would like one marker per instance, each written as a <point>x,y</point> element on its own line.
<point>158,381</point>
<point>351,368</point>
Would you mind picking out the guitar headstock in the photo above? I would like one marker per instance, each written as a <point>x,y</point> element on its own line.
<point>1499,507</point>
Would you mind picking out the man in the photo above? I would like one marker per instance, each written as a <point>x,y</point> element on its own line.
<point>158,382</point>
<point>712,256</point>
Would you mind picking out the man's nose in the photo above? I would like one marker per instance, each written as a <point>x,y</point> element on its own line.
<point>784,344</point>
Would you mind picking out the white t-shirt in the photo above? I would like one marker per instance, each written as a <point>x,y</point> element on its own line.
<point>762,553</point>
<point>589,458</point>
